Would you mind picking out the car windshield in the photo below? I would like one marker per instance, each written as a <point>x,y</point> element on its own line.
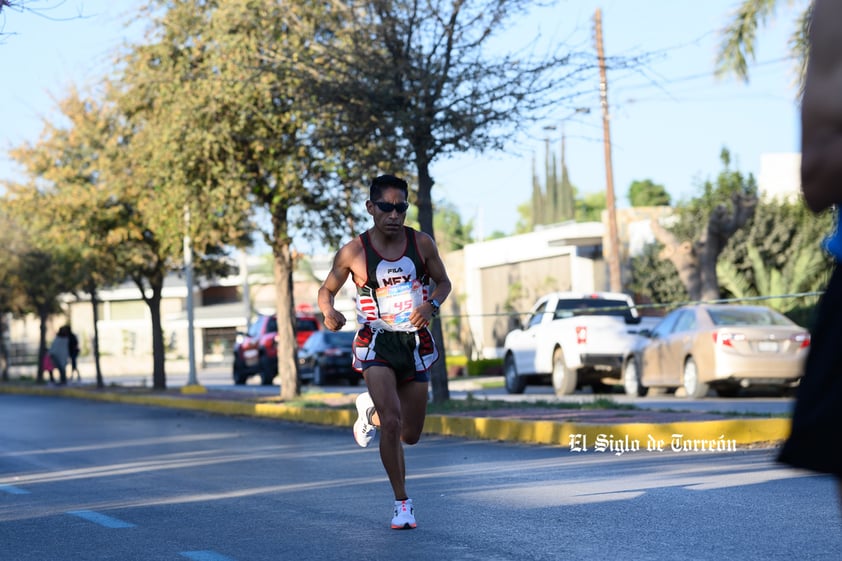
<point>340,338</point>
<point>590,307</point>
<point>747,316</point>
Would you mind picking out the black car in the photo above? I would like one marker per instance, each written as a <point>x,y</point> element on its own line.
<point>328,355</point>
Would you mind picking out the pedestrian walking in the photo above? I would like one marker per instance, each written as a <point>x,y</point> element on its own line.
<point>73,346</point>
<point>60,353</point>
<point>393,267</point>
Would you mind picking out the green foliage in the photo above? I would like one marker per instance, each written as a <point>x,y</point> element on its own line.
<point>648,193</point>
<point>554,202</point>
<point>485,367</point>
<point>481,367</point>
<point>589,208</point>
<point>654,280</point>
<point>738,45</point>
<point>451,233</point>
<point>729,185</point>
<point>777,253</point>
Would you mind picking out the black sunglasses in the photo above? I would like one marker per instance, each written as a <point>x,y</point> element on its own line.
<point>389,207</point>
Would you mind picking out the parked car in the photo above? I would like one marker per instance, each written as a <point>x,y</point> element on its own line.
<point>573,339</point>
<point>328,355</point>
<point>256,352</point>
<point>724,347</point>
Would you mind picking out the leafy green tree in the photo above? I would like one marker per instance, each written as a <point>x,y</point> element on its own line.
<point>12,295</point>
<point>704,226</point>
<point>233,126</point>
<point>655,281</point>
<point>453,234</point>
<point>70,158</point>
<point>423,74</point>
<point>555,201</point>
<point>43,271</point>
<point>589,207</point>
<point>648,193</point>
<point>777,254</point>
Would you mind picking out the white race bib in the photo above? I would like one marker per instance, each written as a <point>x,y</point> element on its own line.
<point>396,303</point>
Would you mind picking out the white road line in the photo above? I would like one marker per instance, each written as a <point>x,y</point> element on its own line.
<point>204,556</point>
<point>101,519</point>
<point>12,490</point>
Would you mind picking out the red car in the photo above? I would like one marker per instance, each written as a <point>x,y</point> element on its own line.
<point>256,352</point>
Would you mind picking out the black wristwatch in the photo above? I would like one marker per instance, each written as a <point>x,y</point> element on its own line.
<point>435,304</point>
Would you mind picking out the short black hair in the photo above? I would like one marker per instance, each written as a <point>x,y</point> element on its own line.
<point>384,181</point>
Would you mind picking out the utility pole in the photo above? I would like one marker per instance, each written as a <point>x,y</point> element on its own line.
<point>613,239</point>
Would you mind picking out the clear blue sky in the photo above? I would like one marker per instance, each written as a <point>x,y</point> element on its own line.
<point>669,120</point>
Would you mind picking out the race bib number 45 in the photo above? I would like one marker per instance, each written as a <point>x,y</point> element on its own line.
<point>397,301</point>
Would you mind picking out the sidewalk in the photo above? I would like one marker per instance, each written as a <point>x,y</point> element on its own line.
<point>613,428</point>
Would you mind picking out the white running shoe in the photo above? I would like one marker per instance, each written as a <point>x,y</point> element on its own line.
<point>363,431</point>
<point>404,518</point>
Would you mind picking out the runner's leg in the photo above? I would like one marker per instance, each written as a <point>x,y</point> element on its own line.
<point>382,386</point>
<point>413,397</point>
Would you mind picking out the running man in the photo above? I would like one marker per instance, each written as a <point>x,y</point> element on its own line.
<point>392,266</point>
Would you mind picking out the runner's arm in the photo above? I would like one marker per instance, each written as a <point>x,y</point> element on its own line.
<point>336,277</point>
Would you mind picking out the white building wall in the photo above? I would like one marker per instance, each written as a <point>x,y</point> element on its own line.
<point>550,242</point>
<point>780,175</point>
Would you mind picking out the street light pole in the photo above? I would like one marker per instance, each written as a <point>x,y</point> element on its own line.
<point>188,278</point>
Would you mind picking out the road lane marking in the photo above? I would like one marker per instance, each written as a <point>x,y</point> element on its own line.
<point>204,556</point>
<point>101,519</point>
<point>12,490</point>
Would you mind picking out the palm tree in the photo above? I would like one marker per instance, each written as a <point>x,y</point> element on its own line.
<point>739,37</point>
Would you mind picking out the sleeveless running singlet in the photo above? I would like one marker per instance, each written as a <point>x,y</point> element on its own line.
<point>392,289</point>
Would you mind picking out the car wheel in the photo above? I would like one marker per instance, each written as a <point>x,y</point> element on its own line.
<point>239,376</point>
<point>631,379</point>
<point>514,383</point>
<point>693,387</point>
<point>564,379</point>
<point>319,377</point>
<point>268,370</point>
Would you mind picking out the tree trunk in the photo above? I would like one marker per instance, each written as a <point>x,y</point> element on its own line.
<point>696,261</point>
<point>95,343</point>
<point>683,256</point>
<point>4,348</point>
<point>153,301</point>
<point>42,344</point>
<point>159,376</point>
<point>438,373</point>
<point>285,306</point>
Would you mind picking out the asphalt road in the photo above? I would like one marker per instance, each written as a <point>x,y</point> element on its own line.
<point>100,481</point>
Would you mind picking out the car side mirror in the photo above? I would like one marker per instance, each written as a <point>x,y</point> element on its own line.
<point>632,320</point>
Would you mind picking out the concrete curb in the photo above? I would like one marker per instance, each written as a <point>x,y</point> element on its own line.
<point>715,435</point>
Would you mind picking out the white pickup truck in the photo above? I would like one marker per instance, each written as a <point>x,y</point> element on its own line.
<point>574,339</point>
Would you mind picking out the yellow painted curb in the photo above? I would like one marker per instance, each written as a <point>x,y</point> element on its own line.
<point>194,389</point>
<point>695,435</point>
<point>698,433</point>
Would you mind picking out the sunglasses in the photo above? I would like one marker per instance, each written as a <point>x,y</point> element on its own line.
<point>389,207</point>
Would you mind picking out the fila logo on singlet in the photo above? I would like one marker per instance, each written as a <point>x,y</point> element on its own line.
<point>395,272</point>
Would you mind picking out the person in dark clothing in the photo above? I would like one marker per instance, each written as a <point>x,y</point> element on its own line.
<point>817,416</point>
<point>73,345</point>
